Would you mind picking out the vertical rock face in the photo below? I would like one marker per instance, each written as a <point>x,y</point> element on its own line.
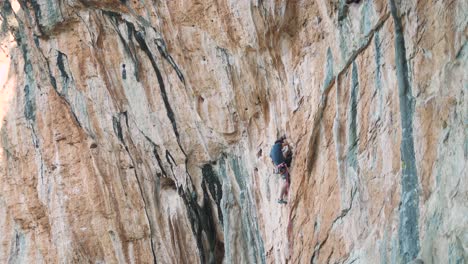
<point>139,131</point>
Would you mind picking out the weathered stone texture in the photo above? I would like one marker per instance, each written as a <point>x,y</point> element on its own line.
<point>139,131</point>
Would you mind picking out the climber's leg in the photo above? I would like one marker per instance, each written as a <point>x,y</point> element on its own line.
<point>284,191</point>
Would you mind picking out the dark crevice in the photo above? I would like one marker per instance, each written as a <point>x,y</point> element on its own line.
<point>67,103</point>
<point>186,171</point>
<point>170,160</point>
<point>146,211</point>
<point>156,154</point>
<point>170,113</point>
<point>329,68</point>
<point>128,47</point>
<point>166,183</point>
<point>5,11</point>
<point>165,54</point>
<point>318,248</point>
<point>29,88</point>
<point>193,209</point>
<point>462,51</point>
<point>119,132</point>
<point>345,211</point>
<point>352,136</point>
<point>117,129</point>
<point>158,159</point>
<point>30,107</point>
<point>36,9</point>
<point>352,1</point>
<point>37,14</point>
<point>314,137</point>
<point>36,41</point>
<point>169,157</point>
<point>53,82</point>
<point>202,222</point>
<point>125,114</point>
<point>226,61</point>
<point>378,63</point>
<point>211,180</point>
<point>30,104</point>
<point>18,247</point>
<point>250,232</point>
<point>408,230</point>
<point>61,65</point>
<point>62,96</point>
<point>343,11</point>
<point>131,49</point>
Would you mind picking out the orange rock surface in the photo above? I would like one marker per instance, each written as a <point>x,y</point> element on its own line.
<point>140,131</point>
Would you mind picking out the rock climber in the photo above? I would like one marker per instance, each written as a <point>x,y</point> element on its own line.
<point>124,72</point>
<point>281,157</point>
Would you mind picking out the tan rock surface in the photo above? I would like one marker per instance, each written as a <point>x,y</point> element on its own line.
<point>139,131</point>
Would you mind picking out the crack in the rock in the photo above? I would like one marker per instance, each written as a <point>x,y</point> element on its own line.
<point>117,128</point>
<point>62,97</point>
<point>17,247</point>
<point>91,35</point>
<point>165,54</point>
<point>30,103</point>
<point>353,138</point>
<point>330,255</point>
<point>318,248</point>
<point>155,153</point>
<point>64,100</point>
<point>211,180</point>
<point>170,160</point>
<point>158,159</point>
<point>61,65</point>
<point>37,14</point>
<point>170,112</point>
<point>119,132</point>
<point>202,222</point>
<point>408,230</point>
<point>343,213</point>
<point>323,100</point>
<point>128,47</point>
<point>139,37</point>
<point>36,143</point>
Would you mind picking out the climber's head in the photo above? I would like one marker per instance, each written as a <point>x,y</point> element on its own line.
<point>281,140</point>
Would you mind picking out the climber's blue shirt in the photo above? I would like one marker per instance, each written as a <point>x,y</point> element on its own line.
<point>276,154</point>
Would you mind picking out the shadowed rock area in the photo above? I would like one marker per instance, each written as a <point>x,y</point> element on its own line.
<point>140,131</point>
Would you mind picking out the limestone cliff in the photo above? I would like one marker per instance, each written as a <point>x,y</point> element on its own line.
<point>139,131</point>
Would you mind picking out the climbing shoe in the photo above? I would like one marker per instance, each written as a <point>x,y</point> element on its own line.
<point>281,201</point>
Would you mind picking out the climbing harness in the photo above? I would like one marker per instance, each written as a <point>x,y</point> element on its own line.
<point>282,169</point>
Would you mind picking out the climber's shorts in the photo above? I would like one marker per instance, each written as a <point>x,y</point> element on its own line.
<point>282,170</point>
